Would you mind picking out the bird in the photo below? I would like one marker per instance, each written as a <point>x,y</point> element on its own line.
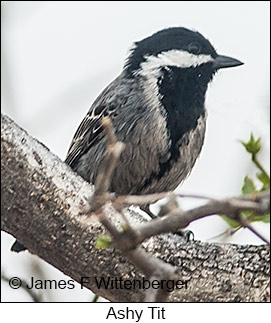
<point>157,108</point>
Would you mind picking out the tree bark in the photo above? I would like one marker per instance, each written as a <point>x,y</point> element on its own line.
<point>41,203</point>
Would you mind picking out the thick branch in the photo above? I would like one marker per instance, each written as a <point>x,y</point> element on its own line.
<point>41,205</point>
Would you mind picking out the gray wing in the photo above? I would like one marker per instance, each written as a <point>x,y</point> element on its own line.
<point>90,130</point>
<point>138,123</point>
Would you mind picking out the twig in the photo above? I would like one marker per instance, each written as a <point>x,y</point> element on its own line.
<point>128,200</point>
<point>95,298</point>
<point>125,240</point>
<point>156,295</point>
<point>245,223</point>
<point>151,295</point>
<point>135,253</point>
<point>114,149</point>
<point>195,196</point>
<point>180,219</point>
<point>258,164</point>
<point>227,233</point>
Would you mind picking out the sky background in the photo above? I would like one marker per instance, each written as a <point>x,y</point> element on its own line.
<point>58,56</point>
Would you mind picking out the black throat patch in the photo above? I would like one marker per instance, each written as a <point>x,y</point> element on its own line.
<point>183,95</point>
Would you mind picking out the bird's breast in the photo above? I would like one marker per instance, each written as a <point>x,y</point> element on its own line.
<point>147,164</point>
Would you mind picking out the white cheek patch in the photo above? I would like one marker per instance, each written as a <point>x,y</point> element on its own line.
<point>178,58</point>
<point>150,70</point>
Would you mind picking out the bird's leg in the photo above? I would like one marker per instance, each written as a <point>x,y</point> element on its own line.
<point>186,235</point>
<point>146,208</point>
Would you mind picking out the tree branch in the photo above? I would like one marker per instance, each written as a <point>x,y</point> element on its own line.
<point>42,199</point>
<point>179,219</point>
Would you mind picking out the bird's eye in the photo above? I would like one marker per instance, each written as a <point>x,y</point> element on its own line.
<point>194,48</point>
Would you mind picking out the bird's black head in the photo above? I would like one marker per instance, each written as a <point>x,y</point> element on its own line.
<point>174,67</point>
<point>177,46</point>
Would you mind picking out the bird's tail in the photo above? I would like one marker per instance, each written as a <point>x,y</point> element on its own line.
<point>17,247</point>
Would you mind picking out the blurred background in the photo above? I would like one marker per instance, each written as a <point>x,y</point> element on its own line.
<point>58,56</point>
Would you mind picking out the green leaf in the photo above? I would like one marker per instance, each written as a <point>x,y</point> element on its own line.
<point>103,241</point>
<point>232,223</point>
<point>250,215</point>
<point>248,186</point>
<point>252,146</point>
<point>266,218</point>
<point>265,180</point>
<point>247,213</point>
<point>259,218</point>
<point>124,227</point>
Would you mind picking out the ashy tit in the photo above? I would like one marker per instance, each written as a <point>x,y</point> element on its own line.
<point>157,107</point>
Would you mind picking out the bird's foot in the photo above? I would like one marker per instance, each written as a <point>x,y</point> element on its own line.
<point>187,235</point>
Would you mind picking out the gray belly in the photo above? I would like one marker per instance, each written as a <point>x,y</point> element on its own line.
<point>138,168</point>
<point>139,175</point>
